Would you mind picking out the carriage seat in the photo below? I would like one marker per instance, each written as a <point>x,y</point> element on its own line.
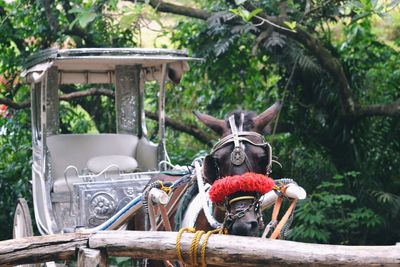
<point>121,163</point>
<point>94,152</point>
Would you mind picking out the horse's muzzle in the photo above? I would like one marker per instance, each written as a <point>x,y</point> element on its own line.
<point>245,228</point>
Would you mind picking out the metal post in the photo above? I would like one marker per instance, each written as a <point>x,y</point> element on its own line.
<point>52,107</point>
<point>127,99</point>
<point>162,150</point>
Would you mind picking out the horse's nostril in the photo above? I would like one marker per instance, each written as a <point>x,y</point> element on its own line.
<point>253,224</point>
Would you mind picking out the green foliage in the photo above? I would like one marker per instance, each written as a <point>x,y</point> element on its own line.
<point>84,15</point>
<point>350,168</point>
<point>332,214</point>
<point>15,169</point>
<point>244,14</point>
<point>25,29</point>
<point>359,207</point>
<point>75,119</point>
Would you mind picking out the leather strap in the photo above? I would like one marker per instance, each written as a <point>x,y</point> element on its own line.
<point>276,233</point>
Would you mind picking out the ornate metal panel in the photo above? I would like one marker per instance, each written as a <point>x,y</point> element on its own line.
<point>127,99</point>
<point>95,202</point>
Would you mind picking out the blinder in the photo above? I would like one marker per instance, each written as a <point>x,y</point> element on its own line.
<point>210,169</point>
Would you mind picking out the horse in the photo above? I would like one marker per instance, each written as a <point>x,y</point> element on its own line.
<point>241,150</point>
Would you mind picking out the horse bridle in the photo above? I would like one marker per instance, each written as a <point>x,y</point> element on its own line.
<point>231,217</point>
<point>237,137</point>
<point>239,157</point>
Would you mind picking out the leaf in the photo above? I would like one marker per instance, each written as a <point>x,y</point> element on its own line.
<point>75,10</point>
<point>223,45</point>
<point>345,10</point>
<point>309,64</point>
<point>393,4</point>
<point>255,12</point>
<point>86,18</point>
<point>360,16</point>
<point>290,24</point>
<point>275,39</point>
<point>244,13</point>
<point>244,28</point>
<point>73,23</point>
<point>127,20</point>
<point>239,2</point>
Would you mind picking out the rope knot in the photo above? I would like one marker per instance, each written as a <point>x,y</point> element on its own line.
<point>194,246</point>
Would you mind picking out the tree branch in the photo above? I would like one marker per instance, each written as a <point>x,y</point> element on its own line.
<point>191,12</point>
<point>390,109</point>
<point>190,129</point>
<point>331,64</point>
<point>67,7</point>
<point>283,9</point>
<point>14,105</point>
<point>53,21</point>
<point>314,9</point>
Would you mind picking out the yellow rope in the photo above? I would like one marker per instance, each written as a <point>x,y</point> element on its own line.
<point>164,188</point>
<point>178,241</point>
<point>194,246</point>
<point>204,245</point>
<point>276,187</point>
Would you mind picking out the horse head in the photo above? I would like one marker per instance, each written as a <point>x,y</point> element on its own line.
<point>242,150</point>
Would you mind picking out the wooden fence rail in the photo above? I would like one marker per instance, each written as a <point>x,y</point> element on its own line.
<point>221,250</point>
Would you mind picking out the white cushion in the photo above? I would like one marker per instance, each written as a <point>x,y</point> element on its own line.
<point>124,163</point>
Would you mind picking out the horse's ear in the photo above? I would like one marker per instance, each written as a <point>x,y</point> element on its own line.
<point>210,171</point>
<point>262,122</point>
<point>214,124</point>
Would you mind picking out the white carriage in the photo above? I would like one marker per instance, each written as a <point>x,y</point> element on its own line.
<point>82,180</point>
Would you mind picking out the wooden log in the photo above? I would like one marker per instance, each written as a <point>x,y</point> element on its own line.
<point>41,248</point>
<point>91,257</point>
<point>243,251</point>
<point>221,250</point>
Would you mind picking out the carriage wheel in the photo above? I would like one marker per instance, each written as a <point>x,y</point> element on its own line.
<point>23,224</point>
<point>22,220</point>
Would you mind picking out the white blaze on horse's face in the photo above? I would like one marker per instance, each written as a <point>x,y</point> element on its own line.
<point>225,160</point>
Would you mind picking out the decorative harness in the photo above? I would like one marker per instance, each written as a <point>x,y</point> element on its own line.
<point>239,157</point>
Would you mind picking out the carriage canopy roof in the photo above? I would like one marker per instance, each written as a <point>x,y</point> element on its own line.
<point>95,60</point>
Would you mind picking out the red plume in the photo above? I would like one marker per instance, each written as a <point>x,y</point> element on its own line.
<point>247,182</point>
